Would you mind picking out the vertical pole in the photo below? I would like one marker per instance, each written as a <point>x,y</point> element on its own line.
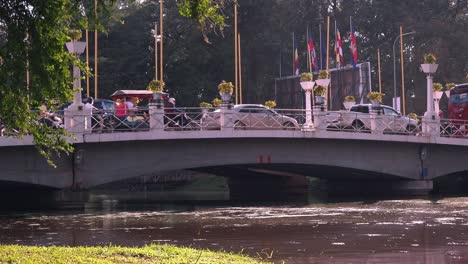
<point>308,51</point>
<point>320,46</point>
<point>240,70</point>
<point>402,73</point>
<point>236,73</point>
<point>156,51</point>
<point>27,69</point>
<point>95,51</point>
<point>161,45</point>
<point>87,60</point>
<point>294,57</point>
<point>328,41</point>
<point>380,77</point>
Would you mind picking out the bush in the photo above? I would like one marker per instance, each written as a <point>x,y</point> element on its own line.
<point>449,86</point>
<point>216,102</point>
<point>74,34</point>
<point>323,74</point>
<point>307,77</point>
<point>155,86</point>
<point>437,87</point>
<point>270,104</point>
<point>350,98</point>
<point>320,91</point>
<point>205,105</point>
<point>429,58</point>
<point>377,96</point>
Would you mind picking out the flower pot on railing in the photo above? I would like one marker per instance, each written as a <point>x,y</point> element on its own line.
<point>323,82</point>
<point>225,91</point>
<point>429,68</point>
<point>348,105</point>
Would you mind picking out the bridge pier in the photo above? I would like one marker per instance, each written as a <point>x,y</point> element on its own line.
<point>268,188</point>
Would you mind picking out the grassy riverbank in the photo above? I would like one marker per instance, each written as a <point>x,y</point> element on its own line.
<point>114,254</point>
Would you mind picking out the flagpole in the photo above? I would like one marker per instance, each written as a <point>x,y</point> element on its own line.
<point>328,48</point>
<point>236,73</point>
<point>87,60</point>
<point>308,50</point>
<point>320,45</point>
<point>161,43</point>
<point>380,77</point>
<point>294,58</point>
<point>402,72</point>
<point>156,51</point>
<point>240,68</point>
<point>95,52</point>
<point>328,41</point>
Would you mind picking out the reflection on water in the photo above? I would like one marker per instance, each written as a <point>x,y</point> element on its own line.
<point>395,231</point>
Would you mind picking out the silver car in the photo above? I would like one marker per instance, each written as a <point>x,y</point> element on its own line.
<point>250,116</point>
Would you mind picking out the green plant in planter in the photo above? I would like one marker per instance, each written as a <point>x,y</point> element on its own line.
<point>320,90</point>
<point>226,87</point>
<point>449,86</point>
<point>205,105</point>
<point>349,98</point>
<point>437,87</point>
<point>74,34</point>
<point>270,104</point>
<point>216,102</point>
<point>429,58</point>
<point>307,77</point>
<point>323,74</point>
<point>377,96</point>
<point>155,86</point>
<point>413,116</point>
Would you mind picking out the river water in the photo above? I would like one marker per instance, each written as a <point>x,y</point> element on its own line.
<point>386,231</point>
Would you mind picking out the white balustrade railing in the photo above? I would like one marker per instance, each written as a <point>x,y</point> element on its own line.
<point>199,119</point>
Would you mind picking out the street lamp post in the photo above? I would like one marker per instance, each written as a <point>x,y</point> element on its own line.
<point>394,66</point>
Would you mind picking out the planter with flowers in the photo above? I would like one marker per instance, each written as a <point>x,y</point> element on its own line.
<point>156,86</point>
<point>437,91</point>
<point>429,66</point>
<point>75,46</point>
<point>375,98</point>
<point>448,87</point>
<point>323,79</point>
<point>320,92</point>
<point>216,102</point>
<point>225,91</point>
<point>205,107</point>
<point>349,101</point>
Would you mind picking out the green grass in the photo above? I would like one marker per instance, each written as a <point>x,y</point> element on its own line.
<point>114,254</point>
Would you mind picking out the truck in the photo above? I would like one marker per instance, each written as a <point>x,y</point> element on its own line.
<point>458,102</point>
<point>358,118</point>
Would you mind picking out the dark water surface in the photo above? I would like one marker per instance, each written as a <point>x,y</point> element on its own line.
<point>393,231</point>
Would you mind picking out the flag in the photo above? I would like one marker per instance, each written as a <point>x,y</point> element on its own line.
<point>353,48</point>
<point>323,51</point>
<point>313,54</point>
<point>338,49</point>
<point>296,57</point>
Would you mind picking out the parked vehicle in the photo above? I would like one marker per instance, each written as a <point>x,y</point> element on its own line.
<point>458,102</point>
<point>457,125</point>
<point>359,118</point>
<point>251,116</point>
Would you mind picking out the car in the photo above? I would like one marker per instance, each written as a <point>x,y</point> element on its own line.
<point>359,118</point>
<point>250,116</point>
